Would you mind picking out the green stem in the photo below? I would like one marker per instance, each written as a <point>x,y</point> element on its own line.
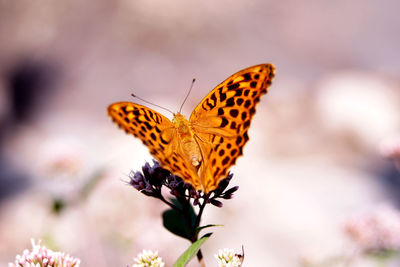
<point>161,197</point>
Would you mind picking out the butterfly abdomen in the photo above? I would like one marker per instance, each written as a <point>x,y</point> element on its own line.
<point>188,144</point>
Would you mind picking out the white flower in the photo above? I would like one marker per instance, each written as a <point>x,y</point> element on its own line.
<point>41,256</point>
<point>377,230</point>
<point>148,258</point>
<point>227,258</point>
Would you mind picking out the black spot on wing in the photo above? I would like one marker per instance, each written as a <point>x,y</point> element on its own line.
<point>224,122</point>
<point>238,92</point>
<point>238,140</point>
<point>214,98</point>
<point>148,125</point>
<point>211,105</point>
<point>163,141</point>
<point>146,117</point>
<point>233,86</point>
<point>246,77</point>
<point>234,112</point>
<point>246,137</point>
<point>233,152</point>
<point>222,97</point>
<point>226,160</point>
<point>230,102</point>
<point>217,171</point>
<point>244,115</point>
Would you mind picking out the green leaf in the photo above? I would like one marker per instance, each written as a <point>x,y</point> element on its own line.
<point>192,214</point>
<point>198,229</point>
<point>175,222</point>
<point>191,251</point>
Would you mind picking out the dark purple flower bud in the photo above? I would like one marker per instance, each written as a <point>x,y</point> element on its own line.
<point>223,184</point>
<point>216,203</point>
<point>137,180</point>
<point>225,196</point>
<point>146,169</point>
<point>228,194</point>
<point>158,175</point>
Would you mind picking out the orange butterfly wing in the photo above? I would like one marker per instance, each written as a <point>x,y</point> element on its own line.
<point>156,132</point>
<point>221,120</point>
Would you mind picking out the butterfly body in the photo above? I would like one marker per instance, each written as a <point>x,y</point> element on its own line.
<point>200,149</point>
<point>188,143</point>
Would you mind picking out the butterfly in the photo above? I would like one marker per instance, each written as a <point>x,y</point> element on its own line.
<point>202,149</point>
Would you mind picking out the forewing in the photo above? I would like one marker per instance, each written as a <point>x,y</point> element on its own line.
<point>157,133</point>
<point>221,120</point>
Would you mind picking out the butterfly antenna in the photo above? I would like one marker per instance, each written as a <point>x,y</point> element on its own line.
<point>152,103</point>
<point>187,95</point>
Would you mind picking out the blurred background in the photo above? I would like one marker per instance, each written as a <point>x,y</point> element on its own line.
<point>312,160</point>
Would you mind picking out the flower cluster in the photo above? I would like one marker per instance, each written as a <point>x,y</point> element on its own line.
<point>40,256</point>
<point>152,178</point>
<point>228,258</point>
<point>148,259</point>
<point>375,231</point>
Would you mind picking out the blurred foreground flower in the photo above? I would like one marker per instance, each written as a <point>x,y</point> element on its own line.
<point>390,149</point>
<point>41,256</point>
<point>148,258</point>
<point>227,258</point>
<point>377,231</point>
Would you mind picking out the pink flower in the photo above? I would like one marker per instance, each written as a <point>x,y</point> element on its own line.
<point>375,231</point>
